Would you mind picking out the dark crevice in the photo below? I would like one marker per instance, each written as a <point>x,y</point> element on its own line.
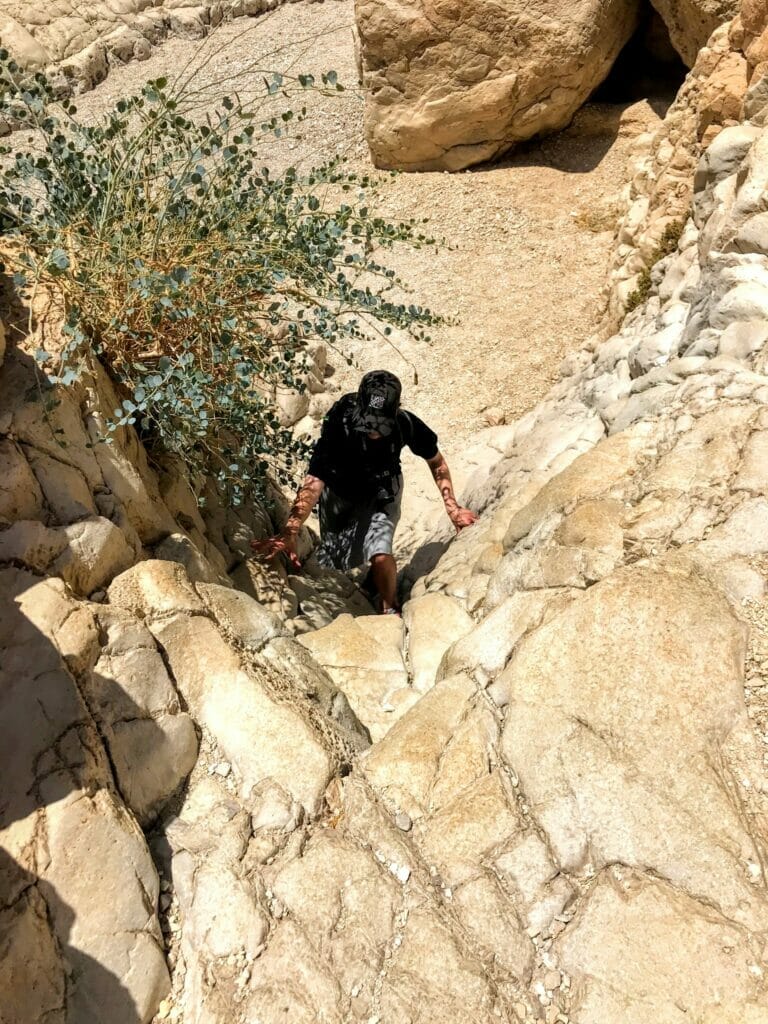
<point>648,67</point>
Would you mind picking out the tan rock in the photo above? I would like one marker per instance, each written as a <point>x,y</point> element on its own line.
<point>432,980</point>
<point>614,749</point>
<point>364,658</point>
<point>706,454</point>
<point>754,22</point>
<point>753,471</point>
<point>96,552</point>
<point>179,548</point>
<point>527,867</point>
<point>452,85</point>
<point>301,676</point>
<point>245,619</point>
<point>402,766</point>
<point>267,584</point>
<point>434,622</point>
<point>20,494</point>
<point>490,919</point>
<point>640,950</point>
<point>311,991</point>
<point>65,489</point>
<point>466,756</point>
<point>458,838</point>
<point>334,872</point>
<point>236,708</point>
<point>589,476</point>
<point>485,651</point>
<point>154,588</point>
<point>89,937</point>
<point>33,545</point>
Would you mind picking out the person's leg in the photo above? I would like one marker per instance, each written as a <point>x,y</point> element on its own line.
<point>384,576</point>
<point>378,546</point>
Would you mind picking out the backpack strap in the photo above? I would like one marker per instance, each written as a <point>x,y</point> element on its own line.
<point>405,426</point>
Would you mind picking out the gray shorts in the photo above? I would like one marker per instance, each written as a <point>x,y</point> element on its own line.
<point>351,533</point>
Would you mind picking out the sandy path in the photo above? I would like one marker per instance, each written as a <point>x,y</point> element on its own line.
<point>521,275</point>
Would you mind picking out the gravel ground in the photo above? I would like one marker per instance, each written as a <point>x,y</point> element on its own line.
<point>520,275</point>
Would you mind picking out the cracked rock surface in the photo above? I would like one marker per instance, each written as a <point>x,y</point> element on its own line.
<point>541,796</point>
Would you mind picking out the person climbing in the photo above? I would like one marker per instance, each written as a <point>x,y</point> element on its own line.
<point>355,474</point>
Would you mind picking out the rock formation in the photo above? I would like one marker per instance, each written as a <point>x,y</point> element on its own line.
<point>692,22</point>
<point>76,41</point>
<point>456,84</point>
<point>660,191</point>
<point>541,796</point>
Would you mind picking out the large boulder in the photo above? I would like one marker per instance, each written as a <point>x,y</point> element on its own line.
<point>629,758</point>
<point>452,84</point>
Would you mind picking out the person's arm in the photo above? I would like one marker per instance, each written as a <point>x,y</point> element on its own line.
<point>460,517</point>
<point>285,542</point>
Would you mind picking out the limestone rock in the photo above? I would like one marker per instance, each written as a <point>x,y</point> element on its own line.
<point>179,548</point>
<point>96,552</point>
<point>302,677</point>
<point>154,588</point>
<point>692,22</point>
<point>152,743</point>
<point>243,618</point>
<point>490,919</point>
<point>433,623</point>
<point>459,838</point>
<point>485,650</point>
<point>587,477</point>
<point>334,871</point>
<point>267,584</point>
<point>614,750</point>
<point>450,86</point>
<point>642,951</point>
<point>236,707</point>
<point>432,976</point>
<point>64,488</point>
<point>403,766</point>
<point>88,940</point>
<point>20,494</point>
<point>364,657</point>
<point>30,543</point>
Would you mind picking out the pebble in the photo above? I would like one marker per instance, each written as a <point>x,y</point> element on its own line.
<point>163,1009</point>
<point>401,872</point>
<point>403,821</point>
<point>552,980</point>
<point>223,769</point>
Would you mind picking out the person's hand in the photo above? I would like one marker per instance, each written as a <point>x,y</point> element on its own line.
<point>461,517</point>
<point>281,544</point>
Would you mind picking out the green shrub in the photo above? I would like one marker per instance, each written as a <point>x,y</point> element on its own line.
<point>196,276</point>
<point>667,244</point>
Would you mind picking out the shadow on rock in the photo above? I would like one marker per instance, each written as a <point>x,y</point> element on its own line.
<point>79,937</point>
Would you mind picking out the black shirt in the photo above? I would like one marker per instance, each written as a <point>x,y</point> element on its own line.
<point>358,468</point>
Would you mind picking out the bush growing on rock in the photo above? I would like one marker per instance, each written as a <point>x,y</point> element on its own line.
<point>198,278</point>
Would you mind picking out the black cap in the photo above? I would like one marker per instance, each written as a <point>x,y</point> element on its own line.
<point>378,399</point>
